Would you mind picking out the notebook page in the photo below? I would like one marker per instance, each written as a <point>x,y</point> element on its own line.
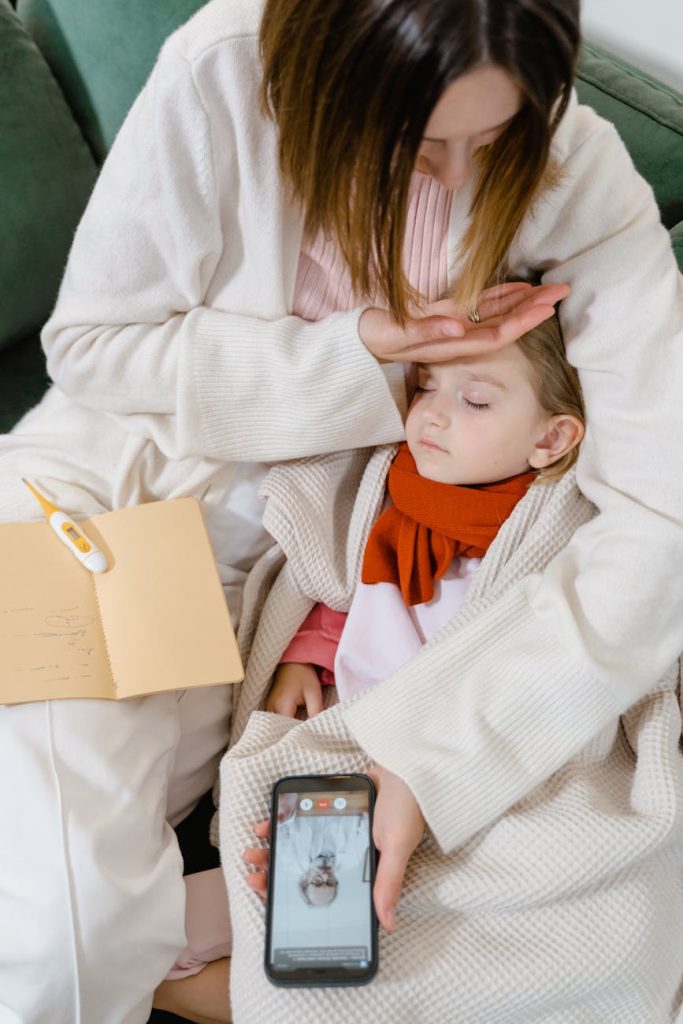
<point>51,640</point>
<point>162,606</point>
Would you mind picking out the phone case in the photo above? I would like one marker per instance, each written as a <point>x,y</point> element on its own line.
<point>323,783</point>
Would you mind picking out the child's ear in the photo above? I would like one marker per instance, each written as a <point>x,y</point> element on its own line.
<point>563,433</point>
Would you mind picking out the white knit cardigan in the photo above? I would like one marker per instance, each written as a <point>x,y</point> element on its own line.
<point>560,899</point>
<point>175,333</point>
<point>173,329</point>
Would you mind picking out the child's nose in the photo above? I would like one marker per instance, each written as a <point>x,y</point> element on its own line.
<point>437,413</point>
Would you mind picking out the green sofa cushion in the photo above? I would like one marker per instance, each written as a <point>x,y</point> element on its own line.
<point>101,52</point>
<point>677,242</point>
<point>649,117</point>
<point>46,174</point>
<point>23,380</point>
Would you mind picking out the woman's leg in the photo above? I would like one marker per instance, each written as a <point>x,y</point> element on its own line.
<point>92,898</point>
<point>91,891</point>
<point>202,998</point>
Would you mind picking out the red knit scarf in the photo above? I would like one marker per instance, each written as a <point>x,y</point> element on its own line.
<point>415,540</point>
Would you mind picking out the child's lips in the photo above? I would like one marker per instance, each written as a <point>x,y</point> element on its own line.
<point>431,446</point>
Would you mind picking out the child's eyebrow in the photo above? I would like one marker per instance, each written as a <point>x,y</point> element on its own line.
<point>473,376</point>
<point>485,378</point>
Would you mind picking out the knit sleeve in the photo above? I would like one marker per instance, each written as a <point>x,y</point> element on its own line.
<point>172,314</point>
<point>511,697</point>
<point>481,717</point>
<point>317,640</point>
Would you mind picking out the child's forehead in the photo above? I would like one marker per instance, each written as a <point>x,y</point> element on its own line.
<point>506,363</point>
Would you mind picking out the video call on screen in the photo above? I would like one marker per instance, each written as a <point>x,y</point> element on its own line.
<point>321,895</point>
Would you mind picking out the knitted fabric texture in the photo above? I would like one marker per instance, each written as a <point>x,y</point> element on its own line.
<point>565,907</point>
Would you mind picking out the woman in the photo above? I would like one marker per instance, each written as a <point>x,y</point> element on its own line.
<point>182,359</point>
<point>521,692</point>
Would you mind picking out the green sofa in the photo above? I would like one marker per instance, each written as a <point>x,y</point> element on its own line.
<point>69,70</point>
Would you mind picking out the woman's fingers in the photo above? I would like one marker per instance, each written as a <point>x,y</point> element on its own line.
<point>262,829</point>
<point>258,881</point>
<point>484,337</point>
<point>440,333</point>
<point>503,330</point>
<point>499,290</point>
<point>543,295</point>
<point>492,302</point>
<point>256,856</point>
<point>501,300</point>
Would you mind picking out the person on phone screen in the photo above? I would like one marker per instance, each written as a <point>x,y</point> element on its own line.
<point>316,848</point>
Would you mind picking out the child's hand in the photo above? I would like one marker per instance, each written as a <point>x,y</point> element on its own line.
<point>295,686</point>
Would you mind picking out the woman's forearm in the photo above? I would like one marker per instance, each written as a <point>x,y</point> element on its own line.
<point>174,309</point>
<point>234,388</point>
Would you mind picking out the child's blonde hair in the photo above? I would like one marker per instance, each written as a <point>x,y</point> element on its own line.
<point>556,383</point>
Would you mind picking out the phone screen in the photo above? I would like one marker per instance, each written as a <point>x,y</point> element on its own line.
<point>321,922</point>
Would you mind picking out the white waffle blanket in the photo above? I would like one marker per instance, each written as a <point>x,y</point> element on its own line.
<point>565,907</point>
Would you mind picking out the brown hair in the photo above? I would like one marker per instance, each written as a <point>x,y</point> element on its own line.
<point>556,383</point>
<point>351,85</point>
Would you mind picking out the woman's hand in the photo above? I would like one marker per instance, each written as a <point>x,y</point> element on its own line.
<point>295,686</point>
<point>398,827</point>
<point>439,332</point>
<point>257,857</point>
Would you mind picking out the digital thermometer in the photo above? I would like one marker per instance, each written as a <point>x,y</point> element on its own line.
<point>70,534</point>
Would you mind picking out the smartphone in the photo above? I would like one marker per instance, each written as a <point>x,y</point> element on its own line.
<point>321,927</point>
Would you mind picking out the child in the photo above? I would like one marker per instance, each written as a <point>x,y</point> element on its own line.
<point>480,431</point>
<point>536,784</point>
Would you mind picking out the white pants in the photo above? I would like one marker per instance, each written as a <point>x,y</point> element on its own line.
<point>91,889</point>
<point>92,900</point>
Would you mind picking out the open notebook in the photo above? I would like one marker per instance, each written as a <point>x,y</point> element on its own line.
<point>156,620</point>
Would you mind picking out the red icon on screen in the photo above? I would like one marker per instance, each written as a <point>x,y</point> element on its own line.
<point>323,805</point>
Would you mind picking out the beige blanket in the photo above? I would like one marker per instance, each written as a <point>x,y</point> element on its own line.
<point>567,907</point>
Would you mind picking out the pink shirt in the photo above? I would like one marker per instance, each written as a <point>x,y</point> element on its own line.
<point>380,633</point>
<point>322,283</point>
<point>317,641</point>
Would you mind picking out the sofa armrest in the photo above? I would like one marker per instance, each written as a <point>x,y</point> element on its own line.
<point>647,114</point>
